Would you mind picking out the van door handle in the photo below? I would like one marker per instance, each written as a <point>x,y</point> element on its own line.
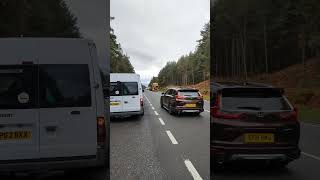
<point>133,97</point>
<point>75,112</point>
<point>126,102</point>
<point>51,128</point>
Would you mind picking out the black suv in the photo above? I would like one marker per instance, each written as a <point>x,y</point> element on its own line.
<point>179,100</point>
<point>252,122</point>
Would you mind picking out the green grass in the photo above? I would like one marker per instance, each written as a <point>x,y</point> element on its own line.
<point>308,114</point>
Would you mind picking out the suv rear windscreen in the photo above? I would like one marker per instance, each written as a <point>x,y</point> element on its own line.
<point>65,86</point>
<point>17,87</point>
<point>255,99</point>
<point>189,93</point>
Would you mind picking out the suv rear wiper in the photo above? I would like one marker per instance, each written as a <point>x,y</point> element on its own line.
<point>249,107</point>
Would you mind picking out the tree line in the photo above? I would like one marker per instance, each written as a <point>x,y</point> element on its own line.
<point>188,69</point>
<point>37,18</point>
<point>119,61</point>
<point>262,36</point>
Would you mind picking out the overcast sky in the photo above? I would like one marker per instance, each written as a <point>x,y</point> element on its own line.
<point>93,20</point>
<point>153,32</point>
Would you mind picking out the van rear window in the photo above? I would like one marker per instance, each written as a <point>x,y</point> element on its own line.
<point>17,87</point>
<point>115,89</point>
<point>64,86</point>
<point>130,88</point>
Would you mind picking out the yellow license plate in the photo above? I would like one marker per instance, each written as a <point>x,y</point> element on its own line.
<point>15,135</point>
<point>259,138</point>
<point>114,103</point>
<point>190,105</point>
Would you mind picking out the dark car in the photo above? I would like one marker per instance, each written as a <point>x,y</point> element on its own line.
<point>179,100</point>
<point>252,122</point>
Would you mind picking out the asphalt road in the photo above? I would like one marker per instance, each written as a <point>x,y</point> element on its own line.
<point>307,167</point>
<point>159,145</point>
<point>80,174</point>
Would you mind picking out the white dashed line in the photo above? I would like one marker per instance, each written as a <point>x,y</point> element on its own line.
<point>192,170</point>
<point>161,121</point>
<point>152,107</point>
<point>171,137</point>
<point>206,110</point>
<point>310,155</point>
<point>156,113</point>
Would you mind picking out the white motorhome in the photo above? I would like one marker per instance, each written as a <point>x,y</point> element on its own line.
<point>52,110</point>
<point>126,95</point>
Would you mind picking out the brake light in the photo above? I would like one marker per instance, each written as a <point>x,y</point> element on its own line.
<point>141,102</point>
<point>179,97</point>
<point>215,111</point>
<point>293,115</point>
<point>101,131</point>
<point>200,97</point>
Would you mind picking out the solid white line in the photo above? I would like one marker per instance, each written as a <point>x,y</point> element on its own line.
<point>171,137</point>
<point>156,113</point>
<point>161,121</point>
<point>192,170</point>
<point>310,155</point>
<point>206,110</point>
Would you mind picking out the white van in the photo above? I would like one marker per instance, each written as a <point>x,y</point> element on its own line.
<point>126,98</point>
<point>52,110</point>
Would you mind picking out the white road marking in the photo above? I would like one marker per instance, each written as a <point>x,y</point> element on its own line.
<point>152,107</point>
<point>206,110</point>
<point>171,137</point>
<point>156,113</point>
<point>310,155</point>
<point>161,121</point>
<point>192,170</point>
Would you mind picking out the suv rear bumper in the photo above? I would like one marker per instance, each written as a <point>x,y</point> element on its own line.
<point>185,109</point>
<point>47,164</point>
<point>227,154</point>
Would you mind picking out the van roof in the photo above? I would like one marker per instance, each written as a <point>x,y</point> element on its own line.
<point>124,77</point>
<point>45,50</point>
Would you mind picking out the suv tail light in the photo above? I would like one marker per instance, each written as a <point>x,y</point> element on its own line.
<point>178,97</point>
<point>141,102</point>
<point>101,131</point>
<point>291,116</point>
<point>215,111</point>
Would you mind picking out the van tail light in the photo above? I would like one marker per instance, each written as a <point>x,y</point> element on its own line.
<point>101,131</point>
<point>290,116</point>
<point>216,113</point>
<point>141,102</point>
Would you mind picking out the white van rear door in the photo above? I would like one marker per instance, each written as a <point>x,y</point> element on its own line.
<point>131,98</point>
<point>19,116</point>
<point>68,122</point>
<point>116,99</point>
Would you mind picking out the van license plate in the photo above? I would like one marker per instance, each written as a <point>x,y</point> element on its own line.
<point>15,135</point>
<point>114,103</point>
<point>259,138</point>
<point>190,105</point>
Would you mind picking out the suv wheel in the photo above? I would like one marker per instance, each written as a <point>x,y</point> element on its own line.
<point>170,109</point>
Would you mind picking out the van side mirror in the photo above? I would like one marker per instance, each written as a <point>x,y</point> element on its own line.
<point>142,90</point>
<point>162,93</point>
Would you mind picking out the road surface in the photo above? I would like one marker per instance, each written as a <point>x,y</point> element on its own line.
<point>307,167</point>
<point>159,145</point>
